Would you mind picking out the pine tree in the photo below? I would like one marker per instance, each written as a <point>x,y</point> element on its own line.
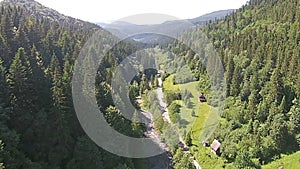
<point>4,50</point>
<point>144,84</point>
<point>278,130</point>
<point>297,86</point>
<point>7,28</point>
<point>58,118</point>
<point>65,43</point>
<point>294,114</point>
<point>57,86</point>
<point>283,106</point>
<point>252,105</point>
<point>40,83</point>
<point>276,87</point>
<point>89,68</point>
<point>229,73</point>
<point>3,84</point>
<point>67,71</point>
<point>103,95</point>
<point>189,139</point>
<point>236,81</point>
<point>22,96</point>
<point>136,128</point>
<point>245,91</point>
<point>21,39</point>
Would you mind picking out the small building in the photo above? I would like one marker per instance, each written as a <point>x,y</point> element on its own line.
<point>215,147</point>
<point>202,98</point>
<point>158,75</point>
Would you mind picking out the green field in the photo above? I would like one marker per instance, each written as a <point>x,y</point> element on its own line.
<point>204,123</point>
<point>168,84</point>
<point>291,161</point>
<point>206,117</point>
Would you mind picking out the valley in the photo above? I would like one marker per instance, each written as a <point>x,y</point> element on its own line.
<point>224,94</point>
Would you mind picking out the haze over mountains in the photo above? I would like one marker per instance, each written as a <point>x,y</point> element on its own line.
<point>123,29</point>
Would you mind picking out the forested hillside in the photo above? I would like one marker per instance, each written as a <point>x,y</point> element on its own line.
<point>259,48</point>
<point>38,124</point>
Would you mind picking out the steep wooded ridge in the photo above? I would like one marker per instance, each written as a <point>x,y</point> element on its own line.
<point>38,125</point>
<point>38,11</point>
<point>259,47</point>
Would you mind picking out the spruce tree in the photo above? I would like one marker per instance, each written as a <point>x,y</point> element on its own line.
<point>3,84</point>
<point>236,81</point>
<point>22,96</point>
<point>276,87</point>
<point>7,28</point>
<point>294,120</point>
<point>58,118</point>
<point>4,50</point>
<point>21,39</point>
<point>40,83</point>
<point>58,96</point>
<point>229,73</point>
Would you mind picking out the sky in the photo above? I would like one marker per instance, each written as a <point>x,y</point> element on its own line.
<point>112,10</point>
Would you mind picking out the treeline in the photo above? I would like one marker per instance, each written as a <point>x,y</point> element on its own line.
<point>38,125</point>
<point>259,48</point>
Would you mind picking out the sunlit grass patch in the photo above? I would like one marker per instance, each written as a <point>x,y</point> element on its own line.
<point>202,122</point>
<point>291,161</point>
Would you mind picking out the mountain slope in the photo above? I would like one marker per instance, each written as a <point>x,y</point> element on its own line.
<point>38,11</point>
<point>123,29</point>
<point>259,47</point>
<point>39,128</point>
<point>217,15</point>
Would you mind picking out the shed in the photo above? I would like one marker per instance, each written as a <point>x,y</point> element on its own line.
<point>202,98</point>
<point>215,147</point>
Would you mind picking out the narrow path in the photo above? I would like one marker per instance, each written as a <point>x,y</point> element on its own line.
<point>160,96</point>
<point>151,133</point>
<point>166,116</point>
<point>154,135</point>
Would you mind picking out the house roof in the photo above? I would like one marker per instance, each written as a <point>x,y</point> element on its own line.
<point>215,145</point>
<point>201,95</point>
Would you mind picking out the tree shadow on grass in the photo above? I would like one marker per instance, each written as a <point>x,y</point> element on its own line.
<point>183,123</point>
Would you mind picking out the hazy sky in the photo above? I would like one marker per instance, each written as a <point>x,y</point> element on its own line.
<point>109,10</point>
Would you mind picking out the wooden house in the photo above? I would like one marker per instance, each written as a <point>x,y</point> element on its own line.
<point>202,98</point>
<point>215,147</point>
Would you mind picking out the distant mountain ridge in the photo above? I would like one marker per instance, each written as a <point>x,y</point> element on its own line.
<point>216,15</point>
<point>124,29</point>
